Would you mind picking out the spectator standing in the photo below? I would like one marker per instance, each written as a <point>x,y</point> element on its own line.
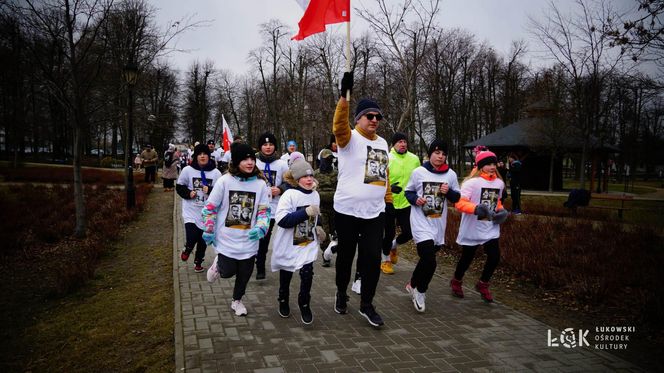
<point>170,171</point>
<point>150,158</point>
<point>137,162</point>
<point>515,183</point>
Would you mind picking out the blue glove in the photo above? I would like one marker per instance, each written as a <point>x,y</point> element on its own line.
<point>500,216</point>
<point>482,211</point>
<point>395,188</point>
<point>256,233</point>
<point>208,238</point>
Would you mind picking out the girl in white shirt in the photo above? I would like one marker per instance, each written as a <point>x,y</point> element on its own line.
<point>482,214</point>
<point>236,216</point>
<point>296,242</point>
<point>428,187</point>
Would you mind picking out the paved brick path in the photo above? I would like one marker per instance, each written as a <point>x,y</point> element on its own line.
<point>453,335</point>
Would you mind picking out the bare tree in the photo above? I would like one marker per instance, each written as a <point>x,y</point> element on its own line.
<point>582,49</point>
<point>75,25</point>
<point>406,43</point>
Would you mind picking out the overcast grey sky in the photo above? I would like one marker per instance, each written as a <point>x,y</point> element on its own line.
<point>234,26</point>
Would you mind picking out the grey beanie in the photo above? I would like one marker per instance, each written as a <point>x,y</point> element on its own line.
<point>301,168</point>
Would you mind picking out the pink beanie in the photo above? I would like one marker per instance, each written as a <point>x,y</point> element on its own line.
<point>485,157</point>
<point>294,157</point>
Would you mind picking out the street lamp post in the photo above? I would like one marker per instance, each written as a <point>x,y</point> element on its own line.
<point>130,75</point>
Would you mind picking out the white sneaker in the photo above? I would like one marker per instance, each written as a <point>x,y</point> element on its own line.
<point>394,244</point>
<point>357,286</point>
<point>239,308</point>
<point>418,300</point>
<point>213,271</point>
<point>327,254</point>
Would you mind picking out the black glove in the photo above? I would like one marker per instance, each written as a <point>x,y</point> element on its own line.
<point>395,188</point>
<point>482,211</point>
<point>346,83</point>
<point>389,209</point>
<point>500,216</point>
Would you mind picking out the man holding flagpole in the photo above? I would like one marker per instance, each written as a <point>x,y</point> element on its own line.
<point>360,200</point>
<point>362,193</point>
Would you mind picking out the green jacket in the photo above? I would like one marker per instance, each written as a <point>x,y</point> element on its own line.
<point>401,166</point>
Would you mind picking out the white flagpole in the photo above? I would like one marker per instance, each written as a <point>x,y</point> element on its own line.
<point>348,52</point>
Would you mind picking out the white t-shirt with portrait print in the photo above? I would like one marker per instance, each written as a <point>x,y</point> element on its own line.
<point>192,179</point>
<point>474,231</point>
<point>362,178</point>
<point>294,247</point>
<point>428,222</point>
<point>238,201</point>
<point>275,178</point>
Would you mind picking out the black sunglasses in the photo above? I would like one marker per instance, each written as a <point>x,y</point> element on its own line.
<point>378,117</point>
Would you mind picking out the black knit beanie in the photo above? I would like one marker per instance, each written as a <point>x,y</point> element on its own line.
<point>240,152</point>
<point>398,136</point>
<point>265,138</point>
<point>437,145</point>
<point>201,148</point>
<point>364,106</point>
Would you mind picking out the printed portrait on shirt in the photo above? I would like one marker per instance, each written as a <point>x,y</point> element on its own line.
<point>433,208</point>
<point>197,184</point>
<point>489,197</point>
<point>240,209</point>
<point>375,168</point>
<point>271,177</point>
<point>303,233</point>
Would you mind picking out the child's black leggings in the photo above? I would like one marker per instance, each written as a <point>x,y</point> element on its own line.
<point>194,237</point>
<point>425,267</point>
<point>306,280</point>
<point>240,268</point>
<point>492,251</point>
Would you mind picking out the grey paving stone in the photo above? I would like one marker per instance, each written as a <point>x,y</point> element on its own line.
<point>453,335</point>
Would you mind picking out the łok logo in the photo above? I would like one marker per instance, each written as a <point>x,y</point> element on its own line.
<point>568,338</point>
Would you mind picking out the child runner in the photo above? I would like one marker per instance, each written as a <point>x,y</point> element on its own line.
<point>194,185</point>
<point>428,221</point>
<point>236,217</point>
<point>296,242</point>
<point>482,214</point>
<point>273,169</point>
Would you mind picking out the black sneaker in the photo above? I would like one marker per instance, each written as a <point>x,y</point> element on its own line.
<point>340,306</point>
<point>284,308</point>
<point>306,315</point>
<point>326,263</point>
<point>260,275</point>
<point>371,315</point>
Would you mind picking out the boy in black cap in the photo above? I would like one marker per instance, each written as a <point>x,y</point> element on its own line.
<point>194,186</point>
<point>273,169</point>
